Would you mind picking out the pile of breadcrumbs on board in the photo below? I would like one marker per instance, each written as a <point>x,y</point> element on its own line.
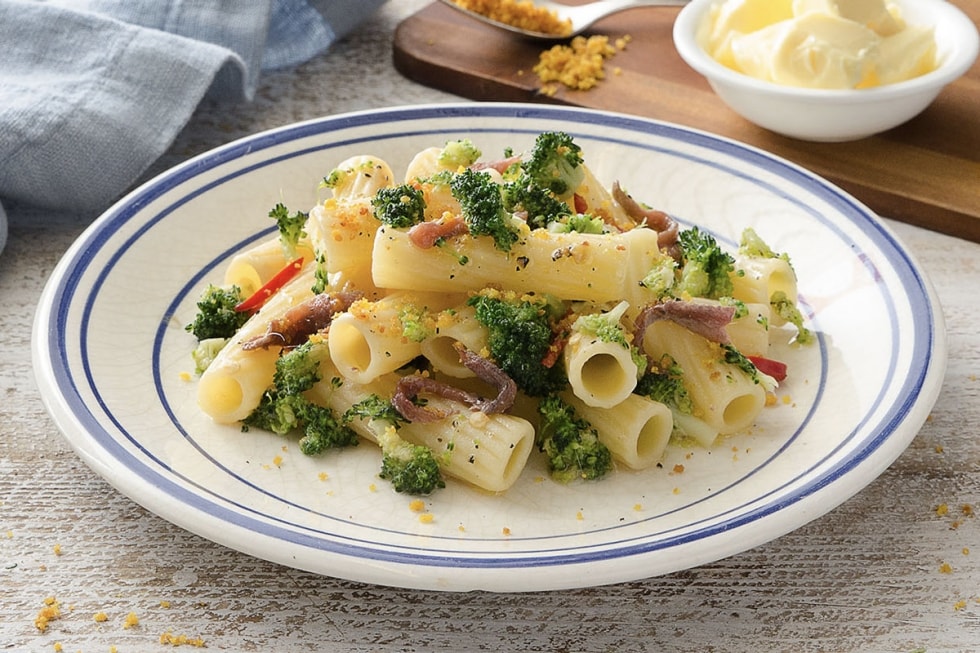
<point>579,65</point>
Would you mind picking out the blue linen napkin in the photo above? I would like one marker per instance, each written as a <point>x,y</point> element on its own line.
<point>93,91</point>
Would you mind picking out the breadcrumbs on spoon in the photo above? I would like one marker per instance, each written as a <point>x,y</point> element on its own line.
<point>522,14</point>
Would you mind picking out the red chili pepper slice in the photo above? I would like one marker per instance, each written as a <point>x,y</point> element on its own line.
<point>581,206</point>
<point>271,287</point>
<point>770,367</point>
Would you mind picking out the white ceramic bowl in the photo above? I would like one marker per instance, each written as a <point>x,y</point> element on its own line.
<point>836,115</point>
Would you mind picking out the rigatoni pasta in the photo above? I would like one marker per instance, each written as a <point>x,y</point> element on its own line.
<point>484,308</point>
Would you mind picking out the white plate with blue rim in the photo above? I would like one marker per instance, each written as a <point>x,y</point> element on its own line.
<point>113,364</point>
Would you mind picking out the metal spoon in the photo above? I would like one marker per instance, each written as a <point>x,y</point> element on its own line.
<point>581,16</point>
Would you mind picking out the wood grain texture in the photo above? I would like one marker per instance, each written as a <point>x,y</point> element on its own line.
<point>865,577</point>
<point>925,172</point>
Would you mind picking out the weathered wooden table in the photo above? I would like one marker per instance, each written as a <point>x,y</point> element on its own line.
<point>896,568</point>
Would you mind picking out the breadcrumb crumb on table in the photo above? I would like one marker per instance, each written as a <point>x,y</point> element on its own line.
<point>50,612</point>
<point>181,640</point>
<point>131,620</point>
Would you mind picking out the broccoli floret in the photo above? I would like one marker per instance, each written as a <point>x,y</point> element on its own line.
<point>399,206</point>
<point>276,412</point>
<point>335,178</point>
<point>292,227</point>
<point>520,332</point>
<point>737,359</point>
<point>216,315</point>
<point>540,205</point>
<point>374,408</point>
<point>283,413</point>
<point>661,278</point>
<point>555,163</point>
<point>439,180</point>
<point>416,323</point>
<point>411,468</point>
<point>788,311</point>
<point>741,310</point>
<point>571,444</point>
<point>604,326</point>
<point>482,204</point>
<point>298,369</point>
<point>706,268</point>
<point>608,327</point>
<point>752,245</point>
<point>459,154</point>
<point>205,352</point>
<point>285,408</point>
<point>582,223</point>
<point>322,430</point>
<point>664,383</point>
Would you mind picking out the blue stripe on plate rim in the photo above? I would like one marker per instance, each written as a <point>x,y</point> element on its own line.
<point>101,232</point>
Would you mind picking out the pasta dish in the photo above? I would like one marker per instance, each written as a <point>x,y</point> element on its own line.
<point>479,311</point>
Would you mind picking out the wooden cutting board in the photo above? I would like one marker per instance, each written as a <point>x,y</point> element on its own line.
<point>925,172</point>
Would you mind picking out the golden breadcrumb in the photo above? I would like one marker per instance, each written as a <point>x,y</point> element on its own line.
<point>100,617</point>
<point>416,505</point>
<point>426,518</point>
<point>181,640</point>
<point>50,611</point>
<point>131,620</point>
<point>519,13</point>
<point>579,65</point>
